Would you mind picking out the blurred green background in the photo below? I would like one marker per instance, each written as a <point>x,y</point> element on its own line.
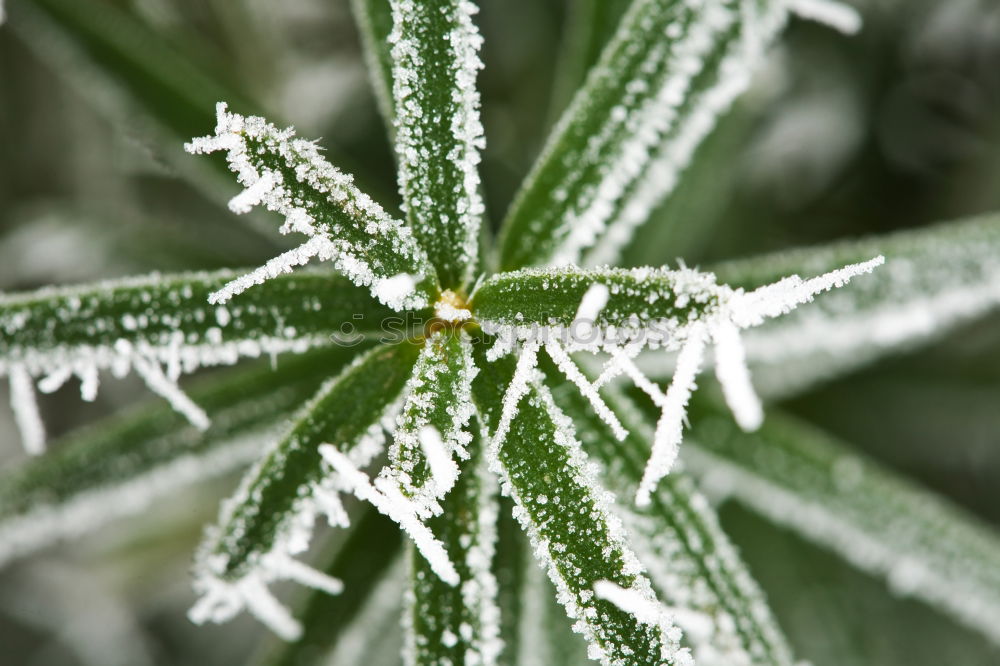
<point>896,127</point>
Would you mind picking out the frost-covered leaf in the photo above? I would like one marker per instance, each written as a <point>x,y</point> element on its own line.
<point>374,21</point>
<point>163,326</point>
<point>670,70</point>
<point>567,515</point>
<point>432,428</point>
<point>659,301</point>
<point>459,624</point>
<point>119,467</point>
<point>650,307</point>
<point>935,278</point>
<point>623,311</point>
<point>691,562</point>
<point>801,478</point>
<point>435,61</point>
<point>270,517</point>
<point>343,224</point>
<point>365,560</point>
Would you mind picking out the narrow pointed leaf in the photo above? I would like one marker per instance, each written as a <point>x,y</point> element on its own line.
<point>670,70</point>
<point>344,225</point>
<point>459,624</point>
<point>270,517</point>
<point>435,416</point>
<point>132,74</point>
<point>119,467</point>
<point>567,515</point>
<point>806,480</point>
<point>935,278</point>
<point>163,326</point>
<point>647,302</point>
<point>510,564</point>
<point>691,562</point>
<point>648,307</point>
<point>171,314</point>
<point>435,60</point>
<point>374,21</point>
<point>366,557</point>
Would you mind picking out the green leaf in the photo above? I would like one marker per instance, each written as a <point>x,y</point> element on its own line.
<point>132,74</point>
<point>435,415</point>
<point>935,278</point>
<point>373,545</point>
<point>510,565</point>
<point>374,21</point>
<point>459,624</point>
<point>165,315</point>
<point>118,467</point>
<point>435,60</point>
<point>806,480</point>
<point>691,562</point>
<point>671,69</point>
<point>636,299</point>
<point>162,326</point>
<point>567,515</point>
<point>344,225</point>
<point>270,516</point>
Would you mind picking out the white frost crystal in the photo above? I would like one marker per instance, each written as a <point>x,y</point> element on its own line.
<point>29,421</point>
<point>389,501</point>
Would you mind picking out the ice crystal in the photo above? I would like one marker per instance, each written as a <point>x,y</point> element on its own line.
<point>395,505</point>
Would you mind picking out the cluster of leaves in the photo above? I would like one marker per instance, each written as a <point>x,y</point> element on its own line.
<point>469,405</point>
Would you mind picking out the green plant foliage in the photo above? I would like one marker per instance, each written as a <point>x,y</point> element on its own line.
<point>698,569</point>
<point>567,517</point>
<point>259,524</point>
<point>485,413</point>
<point>800,477</point>
<point>99,474</point>
<point>452,623</point>
<point>435,53</point>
